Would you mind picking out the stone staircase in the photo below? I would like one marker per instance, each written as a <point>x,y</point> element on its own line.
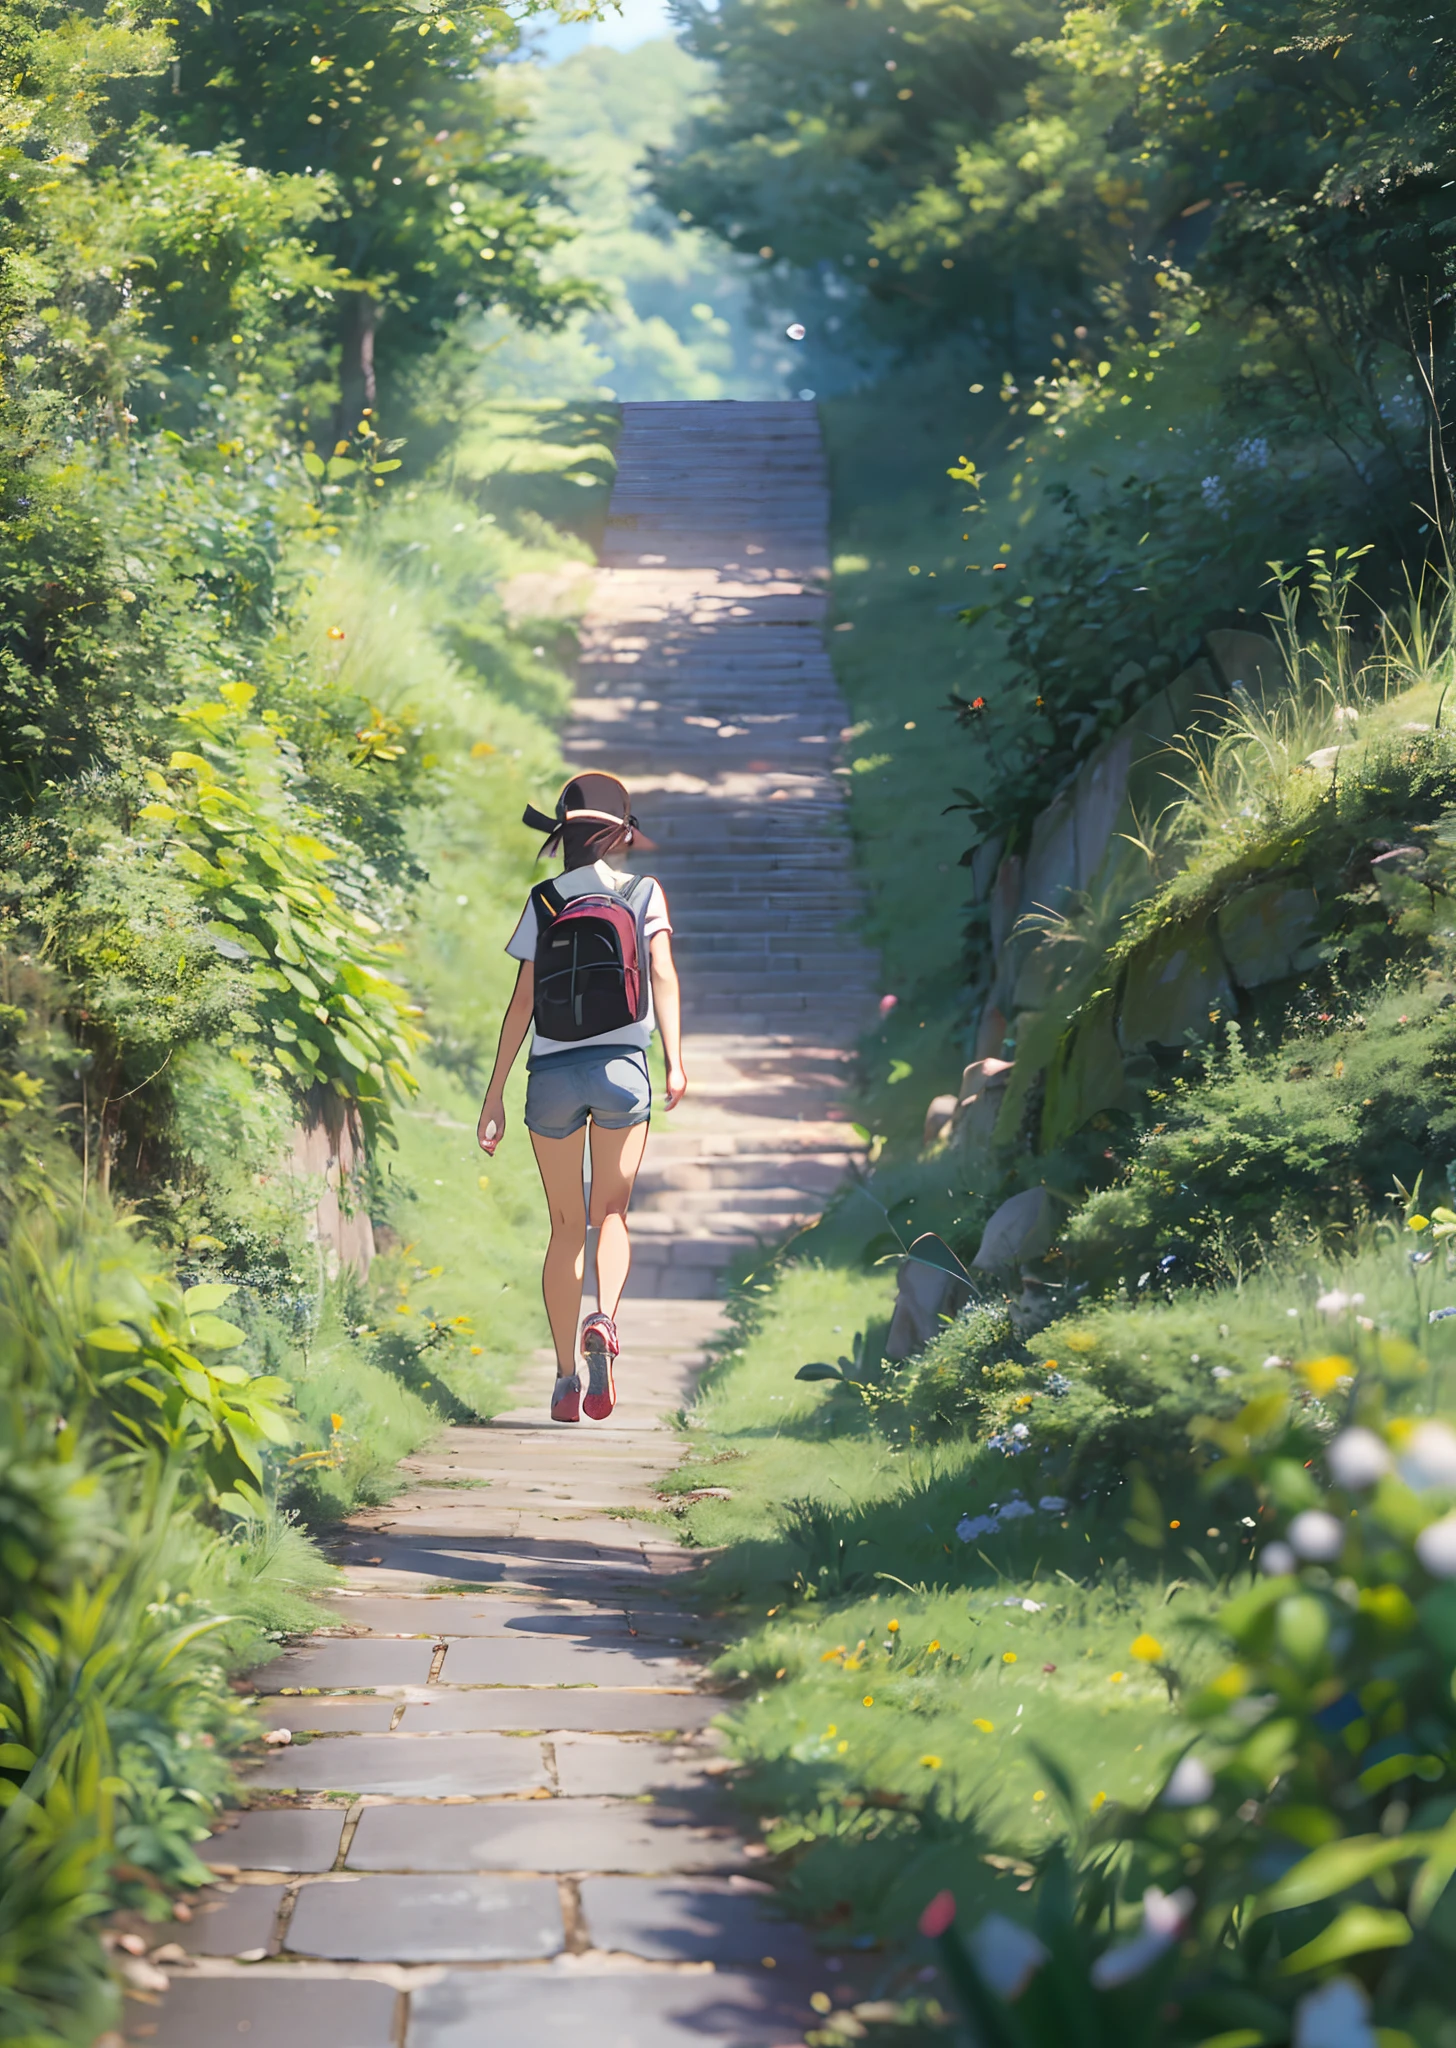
<point>704,683</point>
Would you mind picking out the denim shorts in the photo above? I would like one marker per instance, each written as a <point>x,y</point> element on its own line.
<point>609,1084</point>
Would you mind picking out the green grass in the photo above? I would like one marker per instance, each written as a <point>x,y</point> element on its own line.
<point>886,1762</point>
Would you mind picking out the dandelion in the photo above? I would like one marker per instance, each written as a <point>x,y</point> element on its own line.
<point>893,1627</point>
<point>931,1763</point>
<point>1147,1649</point>
<point>868,1700</point>
<point>840,1748</point>
<point>1323,1375</point>
<point>1099,1800</point>
<point>986,1727</point>
<point>1117,1678</point>
<point>1037,1798</point>
<point>1008,1656</point>
<point>934,1643</point>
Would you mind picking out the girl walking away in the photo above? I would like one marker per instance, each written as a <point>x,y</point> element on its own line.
<point>596,973</point>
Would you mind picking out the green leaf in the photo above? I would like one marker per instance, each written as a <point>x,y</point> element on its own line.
<point>113,1338</point>
<point>313,463</point>
<point>900,1070</point>
<point>930,1250</point>
<point>14,1756</point>
<point>211,1333</point>
<point>210,1294</point>
<point>1338,1867</point>
<point>1356,1931</point>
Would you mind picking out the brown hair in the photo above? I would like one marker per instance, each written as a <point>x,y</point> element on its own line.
<point>593,821</point>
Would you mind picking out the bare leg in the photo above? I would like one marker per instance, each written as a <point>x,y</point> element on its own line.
<point>615,1156</point>
<point>560,1162</point>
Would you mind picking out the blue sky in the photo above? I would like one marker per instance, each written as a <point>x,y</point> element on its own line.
<point>636,21</point>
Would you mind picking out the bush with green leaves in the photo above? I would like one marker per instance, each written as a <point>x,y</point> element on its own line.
<point>1295,1868</point>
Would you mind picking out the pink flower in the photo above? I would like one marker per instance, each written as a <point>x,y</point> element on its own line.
<point>888,1003</point>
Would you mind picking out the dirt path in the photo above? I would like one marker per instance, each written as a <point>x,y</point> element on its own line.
<point>505,1819</point>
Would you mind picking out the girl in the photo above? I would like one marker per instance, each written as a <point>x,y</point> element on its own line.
<point>594,1002</point>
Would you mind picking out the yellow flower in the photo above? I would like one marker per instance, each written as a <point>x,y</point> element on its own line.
<point>1037,1797</point>
<point>830,1655</point>
<point>853,1663</point>
<point>337,1421</point>
<point>832,1729</point>
<point>934,1643</point>
<point>986,1727</point>
<point>893,1627</point>
<point>1117,1678</point>
<point>931,1763</point>
<point>1008,1656</point>
<point>841,1747</point>
<point>1323,1375</point>
<point>1418,1223</point>
<point>1099,1799</point>
<point>869,1700</point>
<point>483,1180</point>
<point>476,1350</point>
<point>1147,1649</point>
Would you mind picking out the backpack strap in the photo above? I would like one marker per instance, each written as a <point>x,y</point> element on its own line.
<point>549,904</point>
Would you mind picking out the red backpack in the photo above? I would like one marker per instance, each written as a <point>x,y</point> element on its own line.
<point>591,968</point>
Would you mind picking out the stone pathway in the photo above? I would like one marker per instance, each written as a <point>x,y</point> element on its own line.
<point>502,1817</point>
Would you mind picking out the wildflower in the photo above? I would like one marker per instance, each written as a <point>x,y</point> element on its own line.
<point>1336,1301</point>
<point>969,1527</point>
<point>1147,1649</point>
<point>1164,1918</point>
<point>1117,1678</point>
<point>1191,1783</point>
<point>1099,1800</point>
<point>337,1421</point>
<point>1417,1222</point>
<point>1335,2016</point>
<point>1007,1956</point>
<point>1008,1656</point>
<point>336,632</point>
<point>1052,1504</point>
<point>868,1700</point>
<point>888,1003</point>
<point>1323,1375</point>
<point>1272,1360</point>
<point>840,1748</point>
<point>931,1763</point>
<point>1016,1507</point>
<point>1222,1372</point>
<point>986,1727</point>
<point>893,1627</point>
<point>1357,1458</point>
<point>938,1914</point>
<point>934,1643</point>
<point>1436,1548</point>
<point>1037,1798</point>
<point>1316,1536</point>
<point>1428,1457</point>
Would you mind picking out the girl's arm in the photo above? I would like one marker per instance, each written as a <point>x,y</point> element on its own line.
<point>514,1026</point>
<point>667,1002</point>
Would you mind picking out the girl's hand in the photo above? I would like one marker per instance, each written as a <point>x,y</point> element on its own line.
<point>677,1086</point>
<point>492,1126</point>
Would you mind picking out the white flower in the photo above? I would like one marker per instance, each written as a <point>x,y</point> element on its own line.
<point>279,1738</point>
<point>1163,1921</point>
<point>1272,1360</point>
<point>1337,1301</point>
<point>1052,1504</point>
<point>1020,1431</point>
<point>1428,1459</point>
<point>1007,1956</point>
<point>1335,2016</point>
<point>1357,1458</point>
<point>1436,1548</point>
<point>1222,1372</point>
<point>1316,1536</point>
<point>1190,1785</point>
<point>969,1527</point>
<point>1277,1559</point>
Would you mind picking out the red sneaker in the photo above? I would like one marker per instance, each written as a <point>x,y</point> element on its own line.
<point>599,1346</point>
<point>566,1401</point>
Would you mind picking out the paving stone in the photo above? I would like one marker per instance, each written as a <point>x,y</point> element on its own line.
<point>669,1921</point>
<point>553,1707</point>
<point>357,1714</point>
<point>434,1919</point>
<point>230,1921</point>
<point>588,1764</point>
<point>337,1665</point>
<point>509,1660</point>
<point>544,1834</point>
<point>447,1614</point>
<point>278,1838</point>
<point>422,1767</point>
<point>278,2010</point>
<point>616,2009</point>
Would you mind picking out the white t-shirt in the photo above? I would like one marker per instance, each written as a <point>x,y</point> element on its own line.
<point>581,882</point>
